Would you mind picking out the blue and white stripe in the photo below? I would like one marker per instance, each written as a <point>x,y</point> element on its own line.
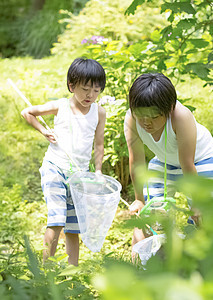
<point>156,185</point>
<point>61,211</point>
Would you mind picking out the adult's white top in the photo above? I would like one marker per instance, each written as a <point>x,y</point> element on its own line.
<point>204,143</point>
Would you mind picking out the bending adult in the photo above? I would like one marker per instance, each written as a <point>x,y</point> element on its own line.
<point>153,105</point>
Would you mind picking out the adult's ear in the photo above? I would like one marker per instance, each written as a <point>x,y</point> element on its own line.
<point>71,87</point>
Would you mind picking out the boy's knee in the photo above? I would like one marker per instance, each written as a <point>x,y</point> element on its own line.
<point>70,235</point>
<point>53,232</point>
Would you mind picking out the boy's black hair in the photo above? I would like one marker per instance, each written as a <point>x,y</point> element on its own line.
<point>153,89</point>
<point>83,70</point>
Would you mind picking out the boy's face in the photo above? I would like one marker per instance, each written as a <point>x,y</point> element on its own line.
<point>86,94</point>
<point>149,118</point>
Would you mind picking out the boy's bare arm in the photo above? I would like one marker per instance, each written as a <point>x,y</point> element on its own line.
<point>99,139</point>
<point>136,159</point>
<point>186,133</point>
<point>30,114</point>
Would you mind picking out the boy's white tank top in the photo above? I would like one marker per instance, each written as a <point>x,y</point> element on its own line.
<point>204,144</point>
<point>75,134</point>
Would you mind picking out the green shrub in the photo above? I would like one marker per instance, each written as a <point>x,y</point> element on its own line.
<point>38,33</point>
<point>116,159</point>
<point>14,217</point>
<point>107,20</point>
<point>25,30</point>
<point>10,12</point>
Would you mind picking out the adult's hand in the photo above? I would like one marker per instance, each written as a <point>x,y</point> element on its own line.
<point>136,207</point>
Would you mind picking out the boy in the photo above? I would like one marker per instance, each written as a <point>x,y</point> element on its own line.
<point>78,122</point>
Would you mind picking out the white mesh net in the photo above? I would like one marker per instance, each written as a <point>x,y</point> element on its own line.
<point>148,247</point>
<point>95,199</point>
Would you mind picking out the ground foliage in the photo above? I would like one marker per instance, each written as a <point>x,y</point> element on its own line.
<point>184,269</point>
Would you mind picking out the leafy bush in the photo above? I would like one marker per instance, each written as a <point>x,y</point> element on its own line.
<point>115,148</point>
<point>107,20</point>
<point>28,279</point>
<point>9,31</point>
<point>185,45</point>
<point>18,216</point>
<point>39,30</point>
<point>38,33</point>
<point>26,30</point>
<point>12,215</point>
<point>184,270</point>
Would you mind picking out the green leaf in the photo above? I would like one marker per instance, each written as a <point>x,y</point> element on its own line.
<point>137,48</point>
<point>156,35</point>
<point>33,261</point>
<point>191,108</point>
<point>118,64</point>
<point>186,23</point>
<point>183,100</point>
<point>210,57</point>
<point>211,29</point>
<point>161,65</point>
<point>167,30</point>
<point>70,270</point>
<point>198,43</point>
<point>178,7</point>
<point>171,18</point>
<point>133,6</point>
<point>199,69</point>
<point>194,50</point>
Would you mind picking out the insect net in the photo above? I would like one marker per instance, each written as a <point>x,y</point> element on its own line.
<point>149,247</point>
<point>95,200</point>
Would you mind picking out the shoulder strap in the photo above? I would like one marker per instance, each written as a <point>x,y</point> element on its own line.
<point>165,175</point>
<point>94,108</point>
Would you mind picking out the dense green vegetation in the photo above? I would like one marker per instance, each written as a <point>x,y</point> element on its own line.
<point>31,27</point>
<point>143,41</point>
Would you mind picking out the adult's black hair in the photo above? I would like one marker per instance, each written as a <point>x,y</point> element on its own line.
<point>82,70</point>
<point>153,89</point>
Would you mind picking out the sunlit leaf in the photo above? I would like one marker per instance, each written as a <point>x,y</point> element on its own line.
<point>178,7</point>
<point>199,69</point>
<point>198,43</point>
<point>69,271</point>
<point>133,6</point>
<point>137,48</point>
<point>155,35</point>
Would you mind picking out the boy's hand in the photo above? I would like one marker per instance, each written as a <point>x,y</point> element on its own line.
<point>50,136</point>
<point>99,177</point>
<point>136,207</point>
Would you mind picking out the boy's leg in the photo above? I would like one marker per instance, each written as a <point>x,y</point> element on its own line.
<point>50,241</point>
<point>72,247</point>
<point>54,189</point>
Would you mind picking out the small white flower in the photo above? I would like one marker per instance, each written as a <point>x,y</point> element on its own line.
<point>107,99</point>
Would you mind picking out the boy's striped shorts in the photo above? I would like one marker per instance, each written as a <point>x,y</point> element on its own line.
<point>156,185</point>
<point>61,211</point>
